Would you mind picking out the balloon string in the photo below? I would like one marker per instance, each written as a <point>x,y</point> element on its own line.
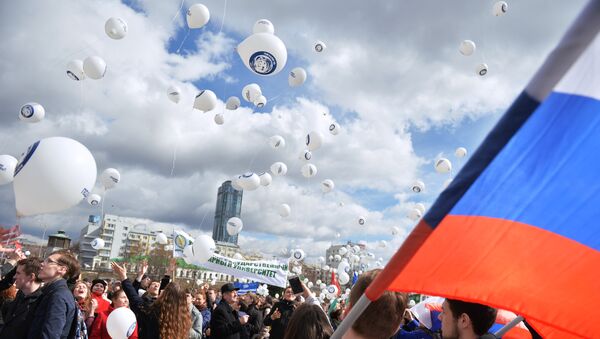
<point>174,157</point>
<point>224,13</point>
<point>186,35</point>
<point>177,13</point>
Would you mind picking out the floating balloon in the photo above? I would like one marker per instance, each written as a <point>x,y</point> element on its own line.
<point>75,70</point>
<point>395,230</point>
<point>382,243</point>
<point>260,102</point>
<point>202,249</point>
<point>279,168</point>
<point>234,225</point>
<point>249,181</point>
<point>94,67</point>
<point>343,278</point>
<point>482,69</point>
<point>7,168</point>
<point>251,92</point>
<point>443,165</point>
<point>467,47</point>
<point>263,26</point>
<point>238,256</point>
<point>263,53</point>
<point>314,140</point>
<point>197,16</point>
<point>354,259</point>
<point>460,152</point>
<point>205,101</point>
<point>305,155</point>
<point>500,8</point>
<point>219,118</point>
<point>232,103</point>
<point>415,214</point>
<point>326,268</point>
<point>32,112</point>
<point>121,323</point>
<point>284,210</point>
<point>446,183</point>
<point>174,94</point>
<point>265,179</point>
<point>298,255</point>
<point>310,284</point>
<point>297,77</point>
<point>418,186</point>
<point>277,141</point>
<point>320,46</point>
<point>362,220</point>
<point>110,178</point>
<point>334,128</point>
<point>236,184</point>
<point>54,174</point>
<point>321,260</point>
<point>97,243</point>
<point>309,170</point>
<point>327,185</point>
<point>94,199</point>
<point>342,251</point>
<point>332,290</point>
<point>337,257</point>
<point>420,207</point>
<point>161,238</point>
<point>115,28</point>
<point>337,235</point>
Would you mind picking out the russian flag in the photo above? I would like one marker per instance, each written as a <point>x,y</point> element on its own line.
<point>519,227</point>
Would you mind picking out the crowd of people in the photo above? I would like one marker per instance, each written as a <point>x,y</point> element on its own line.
<point>46,299</point>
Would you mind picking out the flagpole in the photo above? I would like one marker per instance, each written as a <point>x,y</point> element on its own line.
<point>501,332</point>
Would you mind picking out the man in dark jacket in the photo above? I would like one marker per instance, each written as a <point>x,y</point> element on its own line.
<point>280,315</point>
<point>255,322</point>
<point>18,314</point>
<point>55,312</point>
<point>226,323</point>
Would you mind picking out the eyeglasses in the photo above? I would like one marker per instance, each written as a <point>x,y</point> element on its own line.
<point>49,261</point>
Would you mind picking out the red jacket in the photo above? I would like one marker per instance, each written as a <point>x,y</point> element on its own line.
<point>103,304</point>
<point>99,331</point>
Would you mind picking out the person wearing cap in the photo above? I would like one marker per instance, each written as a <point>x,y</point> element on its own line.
<point>226,323</point>
<point>98,288</point>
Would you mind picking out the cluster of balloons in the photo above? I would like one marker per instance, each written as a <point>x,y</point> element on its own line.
<point>263,290</point>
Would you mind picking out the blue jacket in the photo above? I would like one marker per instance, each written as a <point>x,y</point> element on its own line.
<point>55,312</point>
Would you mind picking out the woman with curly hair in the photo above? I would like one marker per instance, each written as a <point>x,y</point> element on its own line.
<point>85,302</point>
<point>167,318</point>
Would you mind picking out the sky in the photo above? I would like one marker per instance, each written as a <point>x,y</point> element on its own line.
<point>391,76</point>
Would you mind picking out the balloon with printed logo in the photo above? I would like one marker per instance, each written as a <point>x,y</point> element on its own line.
<point>420,207</point>
<point>279,169</point>
<point>298,254</point>
<point>7,168</point>
<point>296,77</point>
<point>334,128</point>
<point>332,290</point>
<point>418,186</point>
<point>115,28</point>
<point>500,8</point>
<point>197,16</point>
<point>309,170</point>
<point>265,179</point>
<point>320,46</point>
<point>249,181</point>
<point>219,118</point>
<point>263,26</point>
<point>277,141</point>
<point>232,103</point>
<point>94,67</point>
<point>32,112</point>
<point>234,225</point>
<point>263,53</point>
<point>305,155</point>
<point>314,140</point>
<point>97,243</point>
<point>94,199</point>
<point>481,69</point>
<point>443,165</point>
<point>54,174</point>
<point>205,101</point>
<point>337,257</point>
<point>285,210</point>
<point>260,102</point>
<point>327,185</point>
<point>121,323</point>
<point>467,47</point>
<point>343,278</point>
<point>75,70</point>
<point>110,177</point>
<point>251,92</point>
<point>362,220</point>
<point>174,94</point>
<point>161,238</point>
<point>415,214</point>
<point>395,230</point>
<point>343,267</point>
<point>460,152</point>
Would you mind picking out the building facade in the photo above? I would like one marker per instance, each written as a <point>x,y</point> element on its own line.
<point>58,241</point>
<point>229,205</point>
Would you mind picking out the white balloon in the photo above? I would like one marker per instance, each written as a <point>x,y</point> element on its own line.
<point>356,248</point>
<point>251,92</point>
<point>420,207</point>
<point>446,183</point>
<point>362,220</point>
<point>443,165</point>
<point>309,170</point>
<point>75,70</point>
<point>7,168</point>
<point>94,199</point>
<point>415,214</point>
<point>310,284</point>
<point>260,102</point>
<point>395,230</point>
<point>54,174</point>
<point>161,238</point>
<point>326,268</point>
<point>249,181</point>
<point>265,179</point>
<point>238,256</point>
<point>467,47</point>
<point>320,46</point>
<point>343,278</point>
<point>298,255</point>
<point>197,16</point>
<point>332,290</point>
<point>174,94</point>
<point>219,118</point>
<point>234,225</point>
<point>327,185</point>
<point>110,178</point>
<point>94,67</point>
<point>232,103</point>
<point>277,141</point>
<point>342,251</point>
<point>354,259</point>
<point>279,169</point>
<point>121,323</point>
<point>337,257</point>
<point>203,248</point>
<point>285,210</point>
<point>97,243</point>
<point>321,260</point>
<point>481,69</point>
<point>314,140</point>
<point>32,112</point>
<point>305,155</point>
<point>382,243</point>
<point>334,128</point>
<point>500,8</point>
<point>115,28</point>
<point>263,26</point>
<point>460,152</point>
<point>297,77</point>
<point>263,53</point>
<point>235,183</point>
<point>205,101</point>
<point>418,186</point>
<point>27,253</point>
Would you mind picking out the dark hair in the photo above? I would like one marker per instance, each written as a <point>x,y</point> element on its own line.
<point>308,322</point>
<point>31,266</point>
<point>68,260</point>
<point>116,294</point>
<point>482,316</point>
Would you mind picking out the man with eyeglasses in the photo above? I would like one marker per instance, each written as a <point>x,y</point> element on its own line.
<point>55,312</point>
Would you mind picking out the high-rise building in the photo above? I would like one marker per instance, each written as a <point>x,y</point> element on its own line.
<point>229,205</point>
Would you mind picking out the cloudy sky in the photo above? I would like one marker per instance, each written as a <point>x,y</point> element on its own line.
<point>391,76</point>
